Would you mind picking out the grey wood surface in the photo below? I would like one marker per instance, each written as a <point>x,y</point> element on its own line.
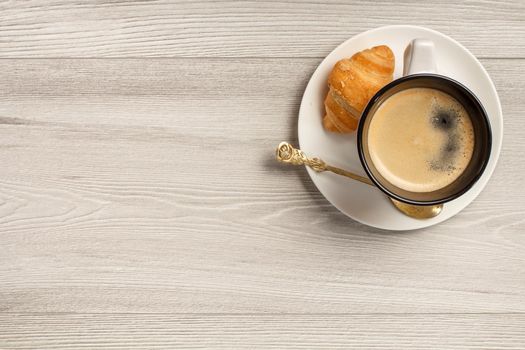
<point>57,28</point>
<point>293,331</point>
<point>140,206</point>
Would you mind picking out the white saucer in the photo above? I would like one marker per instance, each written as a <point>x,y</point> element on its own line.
<point>364,203</point>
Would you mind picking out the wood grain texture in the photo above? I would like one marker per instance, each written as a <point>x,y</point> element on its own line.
<point>63,28</point>
<point>149,185</point>
<point>141,207</point>
<point>147,331</point>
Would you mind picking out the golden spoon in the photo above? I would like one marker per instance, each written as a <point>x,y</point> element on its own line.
<point>287,154</point>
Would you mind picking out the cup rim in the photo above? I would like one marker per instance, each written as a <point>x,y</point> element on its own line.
<point>365,115</point>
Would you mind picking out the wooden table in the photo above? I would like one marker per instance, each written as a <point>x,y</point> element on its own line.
<point>141,207</point>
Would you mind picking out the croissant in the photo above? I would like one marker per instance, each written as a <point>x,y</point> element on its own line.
<point>352,82</point>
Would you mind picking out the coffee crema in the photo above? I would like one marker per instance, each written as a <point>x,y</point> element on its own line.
<point>421,139</point>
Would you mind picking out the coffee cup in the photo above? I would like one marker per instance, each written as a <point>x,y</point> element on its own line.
<point>425,138</point>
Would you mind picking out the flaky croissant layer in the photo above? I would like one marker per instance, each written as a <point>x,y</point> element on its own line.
<point>352,82</point>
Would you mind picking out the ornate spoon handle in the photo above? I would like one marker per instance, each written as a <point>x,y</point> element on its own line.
<point>286,153</point>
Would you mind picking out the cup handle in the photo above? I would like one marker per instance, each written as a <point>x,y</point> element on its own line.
<point>419,57</point>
